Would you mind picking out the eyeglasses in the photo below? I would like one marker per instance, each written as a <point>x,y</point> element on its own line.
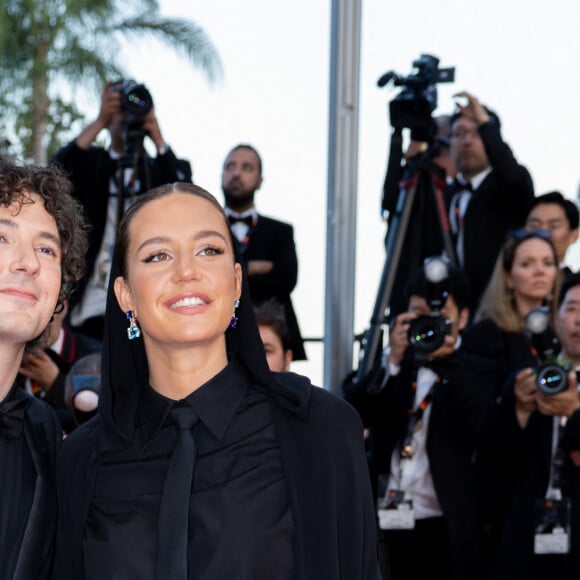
<point>461,134</point>
<point>524,234</point>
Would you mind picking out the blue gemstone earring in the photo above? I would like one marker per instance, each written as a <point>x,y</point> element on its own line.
<point>133,331</point>
<point>234,320</point>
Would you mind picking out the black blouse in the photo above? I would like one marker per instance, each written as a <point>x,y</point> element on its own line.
<point>240,520</point>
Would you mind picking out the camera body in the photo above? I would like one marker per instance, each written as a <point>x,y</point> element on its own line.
<point>136,100</point>
<point>413,106</point>
<point>427,333</point>
<point>551,373</point>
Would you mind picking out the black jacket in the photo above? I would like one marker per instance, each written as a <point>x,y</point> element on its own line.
<point>501,203</point>
<point>459,411</point>
<point>274,240</point>
<point>43,436</point>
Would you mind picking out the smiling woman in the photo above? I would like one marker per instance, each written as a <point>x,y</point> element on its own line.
<point>202,463</point>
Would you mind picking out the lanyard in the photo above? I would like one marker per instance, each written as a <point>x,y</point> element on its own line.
<point>554,490</point>
<point>414,424</point>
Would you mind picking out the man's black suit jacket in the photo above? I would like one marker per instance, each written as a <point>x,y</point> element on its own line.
<point>459,411</point>
<point>274,240</point>
<point>43,435</point>
<point>501,203</point>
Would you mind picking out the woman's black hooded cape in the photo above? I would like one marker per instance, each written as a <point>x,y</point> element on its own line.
<point>320,439</point>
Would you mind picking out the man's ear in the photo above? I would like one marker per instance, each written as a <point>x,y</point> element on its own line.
<point>124,295</point>
<point>463,318</point>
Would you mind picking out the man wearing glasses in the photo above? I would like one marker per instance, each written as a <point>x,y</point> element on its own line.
<point>491,195</point>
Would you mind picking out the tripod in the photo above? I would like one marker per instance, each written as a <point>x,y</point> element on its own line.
<point>421,178</point>
<point>133,158</point>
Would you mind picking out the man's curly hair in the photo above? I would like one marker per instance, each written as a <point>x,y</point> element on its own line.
<point>18,182</point>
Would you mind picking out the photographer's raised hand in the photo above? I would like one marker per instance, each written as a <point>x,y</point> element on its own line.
<point>152,129</point>
<point>398,337</point>
<point>473,110</point>
<point>110,107</point>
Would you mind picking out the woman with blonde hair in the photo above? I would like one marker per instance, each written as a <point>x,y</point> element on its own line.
<point>526,276</point>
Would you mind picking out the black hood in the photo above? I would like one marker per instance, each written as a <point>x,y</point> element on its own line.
<point>125,371</point>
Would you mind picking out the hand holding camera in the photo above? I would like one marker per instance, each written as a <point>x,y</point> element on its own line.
<point>110,105</point>
<point>562,404</point>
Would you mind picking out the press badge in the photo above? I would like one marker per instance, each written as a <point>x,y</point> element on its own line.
<point>395,512</point>
<point>552,526</point>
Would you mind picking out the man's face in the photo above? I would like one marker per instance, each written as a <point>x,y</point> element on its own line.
<point>568,325</point>
<point>467,149</point>
<point>241,178</point>
<point>278,359</point>
<point>30,270</point>
<point>552,217</point>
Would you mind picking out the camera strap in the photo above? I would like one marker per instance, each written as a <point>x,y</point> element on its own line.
<point>414,423</point>
<point>554,490</point>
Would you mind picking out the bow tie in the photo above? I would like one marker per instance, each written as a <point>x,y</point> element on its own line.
<point>12,418</point>
<point>462,186</point>
<point>248,220</point>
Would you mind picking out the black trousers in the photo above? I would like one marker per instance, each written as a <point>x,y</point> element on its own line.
<point>418,554</point>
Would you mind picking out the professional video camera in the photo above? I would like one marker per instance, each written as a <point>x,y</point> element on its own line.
<point>136,102</point>
<point>413,106</point>
<point>427,333</point>
<point>551,373</point>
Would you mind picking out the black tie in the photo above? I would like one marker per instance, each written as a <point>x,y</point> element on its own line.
<point>172,540</point>
<point>12,418</point>
<point>248,220</point>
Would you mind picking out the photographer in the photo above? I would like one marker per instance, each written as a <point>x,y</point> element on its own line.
<point>425,418</point>
<point>539,434</point>
<point>492,193</point>
<point>102,177</point>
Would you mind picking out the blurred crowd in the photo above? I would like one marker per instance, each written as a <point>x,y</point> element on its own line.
<point>472,409</point>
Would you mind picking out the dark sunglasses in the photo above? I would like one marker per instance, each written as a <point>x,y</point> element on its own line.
<point>524,234</point>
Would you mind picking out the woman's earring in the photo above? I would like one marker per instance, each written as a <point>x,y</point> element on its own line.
<point>234,320</point>
<point>133,331</point>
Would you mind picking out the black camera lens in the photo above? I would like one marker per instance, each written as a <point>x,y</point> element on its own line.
<point>136,100</point>
<point>551,379</point>
<point>427,333</point>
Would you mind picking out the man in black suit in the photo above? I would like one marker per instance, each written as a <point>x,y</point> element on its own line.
<point>101,179</point>
<point>492,193</point>
<point>267,245</point>
<point>425,417</point>
<point>42,244</point>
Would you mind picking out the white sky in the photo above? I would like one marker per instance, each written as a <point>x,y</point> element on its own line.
<point>518,57</point>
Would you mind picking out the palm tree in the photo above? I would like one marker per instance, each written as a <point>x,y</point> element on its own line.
<point>50,45</point>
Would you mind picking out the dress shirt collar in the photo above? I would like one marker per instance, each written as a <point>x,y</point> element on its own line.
<point>215,402</point>
<point>475,181</point>
<point>250,212</point>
